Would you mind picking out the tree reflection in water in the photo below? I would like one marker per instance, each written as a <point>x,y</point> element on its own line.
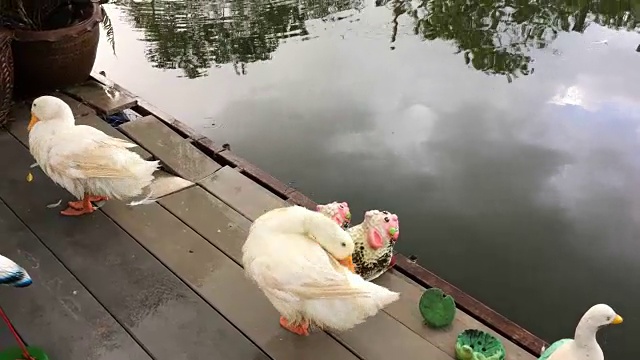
<point>494,36</point>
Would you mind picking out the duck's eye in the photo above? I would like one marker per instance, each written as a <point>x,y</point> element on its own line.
<point>608,318</point>
<point>386,219</point>
<point>344,244</point>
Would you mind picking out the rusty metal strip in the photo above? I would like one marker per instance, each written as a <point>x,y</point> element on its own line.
<point>422,276</point>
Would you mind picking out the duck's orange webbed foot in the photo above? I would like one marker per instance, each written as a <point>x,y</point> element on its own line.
<point>302,329</point>
<point>74,212</point>
<point>79,205</point>
<point>77,208</point>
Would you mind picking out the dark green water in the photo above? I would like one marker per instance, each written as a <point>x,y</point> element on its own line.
<point>505,134</point>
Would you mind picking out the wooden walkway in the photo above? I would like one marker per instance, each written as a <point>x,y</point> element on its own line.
<point>164,281</point>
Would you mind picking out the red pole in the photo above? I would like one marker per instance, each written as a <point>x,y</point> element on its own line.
<point>25,352</point>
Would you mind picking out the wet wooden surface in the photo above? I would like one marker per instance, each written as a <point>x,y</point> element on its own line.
<point>106,99</point>
<point>58,313</point>
<point>164,280</point>
<point>176,153</point>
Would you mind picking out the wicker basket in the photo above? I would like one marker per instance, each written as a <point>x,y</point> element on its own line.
<point>55,59</point>
<point>6,75</point>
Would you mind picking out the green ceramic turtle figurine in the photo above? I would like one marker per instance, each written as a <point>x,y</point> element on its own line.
<point>437,308</point>
<point>15,352</point>
<point>474,344</point>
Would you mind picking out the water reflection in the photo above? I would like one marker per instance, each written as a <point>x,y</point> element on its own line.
<point>194,35</point>
<point>494,36</point>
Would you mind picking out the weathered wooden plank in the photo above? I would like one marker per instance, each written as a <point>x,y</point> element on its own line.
<point>177,153</point>
<point>199,209</point>
<point>165,184</point>
<point>94,121</point>
<point>107,99</point>
<point>145,108</point>
<point>218,279</point>
<point>249,168</point>
<point>57,313</point>
<point>21,113</point>
<point>406,311</point>
<point>158,309</point>
<point>210,217</point>
<point>240,193</point>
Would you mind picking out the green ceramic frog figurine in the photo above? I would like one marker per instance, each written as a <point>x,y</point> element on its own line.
<point>474,344</point>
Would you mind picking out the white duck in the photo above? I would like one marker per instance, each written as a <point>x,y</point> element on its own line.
<point>87,162</point>
<point>338,211</point>
<point>294,255</point>
<point>584,344</point>
<point>13,274</point>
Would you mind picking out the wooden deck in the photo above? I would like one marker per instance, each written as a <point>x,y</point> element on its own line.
<point>164,281</point>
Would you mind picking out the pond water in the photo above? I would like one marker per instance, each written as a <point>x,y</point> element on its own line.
<point>504,134</point>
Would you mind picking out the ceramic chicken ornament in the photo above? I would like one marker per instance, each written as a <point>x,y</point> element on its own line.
<point>374,239</point>
<point>338,212</point>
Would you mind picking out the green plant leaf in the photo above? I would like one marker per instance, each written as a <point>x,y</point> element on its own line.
<point>108,28</point>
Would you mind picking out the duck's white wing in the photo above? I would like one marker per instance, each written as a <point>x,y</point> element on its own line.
<point>99,136</point>
<point>317,275</point>
<point>89,153</point>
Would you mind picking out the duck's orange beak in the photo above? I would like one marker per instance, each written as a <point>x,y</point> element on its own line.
<point>348,263</point>
<point>32,122</point>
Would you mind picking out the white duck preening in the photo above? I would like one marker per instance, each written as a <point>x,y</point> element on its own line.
<point>294,255</point>
<point>584,344</point>
<point>13,274</point>
<point>90,164</point>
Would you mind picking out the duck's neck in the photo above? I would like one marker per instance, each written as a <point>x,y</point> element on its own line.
<point>585,336</point>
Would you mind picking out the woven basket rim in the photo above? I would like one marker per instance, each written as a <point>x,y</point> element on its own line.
<point>55,35</point>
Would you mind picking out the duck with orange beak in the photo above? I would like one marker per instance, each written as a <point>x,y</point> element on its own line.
<point>299,258</point>
<point>90,164</point>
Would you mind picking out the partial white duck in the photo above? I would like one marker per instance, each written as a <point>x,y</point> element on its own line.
<point>13,274</point>
<point>294,254</point>
<point>584,344</point>
<point>338,211</point>
<point>374,239</point>
<point>90,164</point>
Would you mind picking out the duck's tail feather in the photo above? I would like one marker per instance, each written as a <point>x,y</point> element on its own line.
<point>149,199</point>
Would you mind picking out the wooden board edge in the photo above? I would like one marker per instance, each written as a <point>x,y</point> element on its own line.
<point>224,156</point>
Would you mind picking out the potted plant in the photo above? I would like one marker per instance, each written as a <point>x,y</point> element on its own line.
<point>54,41</point>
